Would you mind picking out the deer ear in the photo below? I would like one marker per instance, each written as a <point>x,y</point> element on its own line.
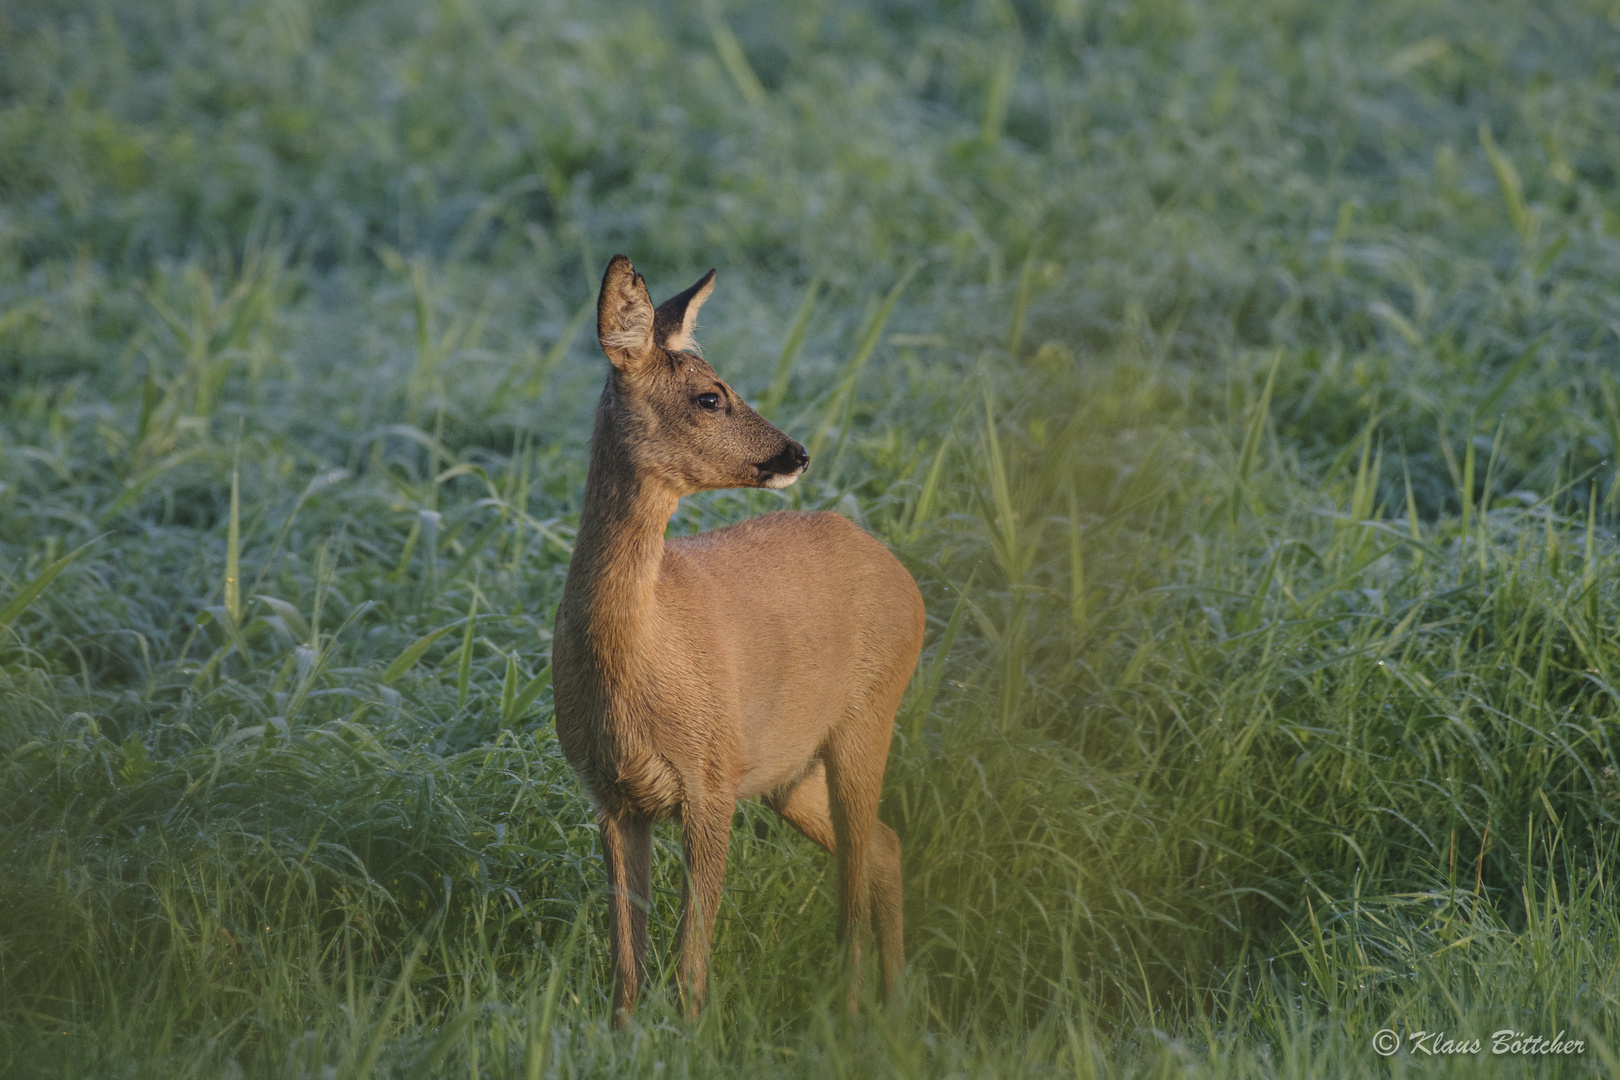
<point>624,315</point>
<point>675,321</point>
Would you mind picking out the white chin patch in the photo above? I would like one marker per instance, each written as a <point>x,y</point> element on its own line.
<point>781,480</point>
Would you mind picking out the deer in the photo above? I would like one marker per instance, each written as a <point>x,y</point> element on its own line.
<point>763,660</point>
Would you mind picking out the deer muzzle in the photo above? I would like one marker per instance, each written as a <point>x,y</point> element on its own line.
<point>784,468</point>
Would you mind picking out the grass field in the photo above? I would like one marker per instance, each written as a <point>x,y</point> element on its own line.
<point>1240,382</point>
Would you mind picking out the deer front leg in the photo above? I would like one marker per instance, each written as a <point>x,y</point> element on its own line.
<point>627,850</point>
<point>705,832</point>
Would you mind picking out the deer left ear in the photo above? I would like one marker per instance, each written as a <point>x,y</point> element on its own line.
<point>675,321</point>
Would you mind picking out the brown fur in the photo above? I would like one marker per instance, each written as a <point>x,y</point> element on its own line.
<point>764,660</point>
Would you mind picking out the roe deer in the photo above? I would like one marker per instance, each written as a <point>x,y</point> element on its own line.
<point>765,659</point>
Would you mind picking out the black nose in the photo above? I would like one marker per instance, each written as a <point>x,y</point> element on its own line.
<point>792,459</point>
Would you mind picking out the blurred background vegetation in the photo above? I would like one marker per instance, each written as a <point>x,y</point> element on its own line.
<point>1239,381</point>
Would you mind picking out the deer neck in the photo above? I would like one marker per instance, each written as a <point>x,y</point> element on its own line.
<point>610,593</point>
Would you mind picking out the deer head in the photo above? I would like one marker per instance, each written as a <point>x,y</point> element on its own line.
<point>678,422</point>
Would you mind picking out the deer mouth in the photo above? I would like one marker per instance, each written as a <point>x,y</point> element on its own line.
<point>784,468</point>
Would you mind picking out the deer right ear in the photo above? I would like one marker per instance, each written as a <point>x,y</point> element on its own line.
<point>624,315</point>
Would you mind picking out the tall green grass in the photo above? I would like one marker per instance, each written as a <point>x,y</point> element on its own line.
<point>1236,380</point>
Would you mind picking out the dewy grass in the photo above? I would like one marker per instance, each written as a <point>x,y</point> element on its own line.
<point>1232,743</point>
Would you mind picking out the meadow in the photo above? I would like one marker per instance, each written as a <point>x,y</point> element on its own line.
<point>1239,381</point>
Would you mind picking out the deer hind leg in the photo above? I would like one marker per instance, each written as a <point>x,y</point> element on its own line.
<point>627,850</point>
<point>886,908</point>
<point>807,806</point>
<point>705,832</point>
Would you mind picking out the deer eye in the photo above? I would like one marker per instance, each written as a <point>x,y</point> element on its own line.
<point>710,402</point>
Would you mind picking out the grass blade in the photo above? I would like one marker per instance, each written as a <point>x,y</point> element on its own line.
<point>317,483</point>
<point>1004,527</point>
<point>1251,441</point>
<point>1077,564</point>
<point>368,1061</point>
<point>1509,377</point>
<point>30,592</point>
<point>923,512</point>
<point>413,652</point>
<point>1413,525</point>
<point>233,551</point>
<point>1257,422</point>
<point>525,697</point>
<point>464,668</point>
<point>999,94</point>
<point>736,62</point>
<point>928,685</point>
<point>509,688</point>
<point>790,349</point>
<point>1512,188</point>
<point>1026,279</point>
<point>842,406</point>
<point>540,1033</point>
<point>535,380</point>
<point>135,489</point>
<point>1611,418</point>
